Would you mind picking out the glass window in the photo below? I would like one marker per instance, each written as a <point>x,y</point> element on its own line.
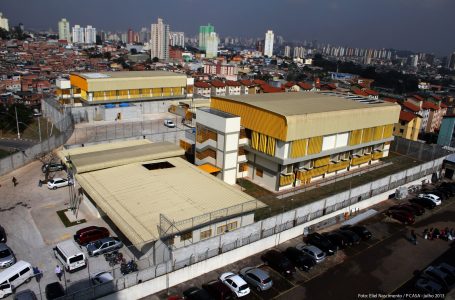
<point>24,271</point>
<point>186,236</point>
<point>206,234</point>
<point>16,276</point>
<point>76,258</point>
<point>259,172</point>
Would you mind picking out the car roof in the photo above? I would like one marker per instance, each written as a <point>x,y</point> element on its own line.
<point>259,272</point>
<point>58,178</point>
<point>3,246</point>
<point>89,228</point>
<point>105,276</point>
<point>313,248</point>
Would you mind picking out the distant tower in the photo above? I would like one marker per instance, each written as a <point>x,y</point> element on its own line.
<point>78,34</point>
<point>64,30</point>
<point>130,36</point>
<point>451,60</point>
<point>212,45</point>
<point>287,51</point>
<point>268,46</point>
<point>177,39</point>
<point>204,33</point>
<point>90,35</point>
<point>4,22</point>
<point>159,42</point>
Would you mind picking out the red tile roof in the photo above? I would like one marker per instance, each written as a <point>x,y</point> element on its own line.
<point>232,83</point>
<point>305,86</point>
<point>407,116</point>
<point>202,84</point>
<point>289,84</point>
<point>418,97</point>
<point>270,89</point>
<point>258,81</point>
<point>391,100</point>
<point>371,92</point>
<point>217,83</point>
<point>246,82</point>
<point>443,105</point>
<point>360,92</point>
<point>411,106</point>
<point>430,105</point>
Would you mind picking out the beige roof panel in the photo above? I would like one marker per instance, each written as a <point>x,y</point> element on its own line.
<point>133,196</point>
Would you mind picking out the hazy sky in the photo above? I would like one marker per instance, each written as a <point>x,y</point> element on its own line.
<point>419,25</point>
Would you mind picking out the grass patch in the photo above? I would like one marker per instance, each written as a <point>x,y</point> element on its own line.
<point>31,132</point>
<point>65,221</point>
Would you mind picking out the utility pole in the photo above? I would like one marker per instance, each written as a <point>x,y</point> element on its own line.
<point>39,128</point>
<point>17,124</point>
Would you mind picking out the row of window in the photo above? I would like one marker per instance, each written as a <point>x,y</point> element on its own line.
<point>208,233</point>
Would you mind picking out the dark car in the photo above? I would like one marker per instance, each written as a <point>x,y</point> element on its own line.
<point>218,290</point>
<point>418,209</point>
<point>195,293</point>
<point>337,239</point>
<point>90,234</point>
<point>54,290</point>
<point>360,230</point>
<point>441,193</point>
<point>299,259</point>
<point>52,167</point>
<point>407,208</point>
<point>402,216</point>
<point>427,203</point>
<point>351,237</point>
<point>25,295</point>
<point>2,235</point>
<point>446,190</point>
<point>322,243</point>
<point>448,185</point>
<point>279,262</point>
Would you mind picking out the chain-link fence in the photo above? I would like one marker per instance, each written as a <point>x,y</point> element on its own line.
<point>61,119</point>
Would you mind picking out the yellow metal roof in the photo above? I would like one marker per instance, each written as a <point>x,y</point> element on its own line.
<point>133,196</point>
<point>209,168</point>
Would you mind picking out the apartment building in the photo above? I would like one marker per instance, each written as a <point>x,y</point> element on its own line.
<point>408,126</point>
<point>285,140</point>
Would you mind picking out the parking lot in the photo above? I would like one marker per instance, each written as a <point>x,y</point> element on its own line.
<point>378,266</point>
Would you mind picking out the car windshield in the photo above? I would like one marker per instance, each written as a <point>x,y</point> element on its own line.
<point>243,287</point>
<point>4,253</point>
<point>98,244</point>
<point>76,258</point>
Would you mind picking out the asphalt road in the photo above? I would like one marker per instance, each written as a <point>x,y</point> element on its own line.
<point>17,144</point>
<point>382,268</point>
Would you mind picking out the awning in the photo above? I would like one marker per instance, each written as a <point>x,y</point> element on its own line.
<point>209,168</point>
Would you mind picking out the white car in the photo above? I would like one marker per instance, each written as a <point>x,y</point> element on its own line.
<point>102,277</point>
<point>431,197</point>
<point>55,183</point>
<point>169,123</point>
<point>235,283</point>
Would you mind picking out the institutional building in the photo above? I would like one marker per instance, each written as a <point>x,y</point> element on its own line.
<point>289,139</point>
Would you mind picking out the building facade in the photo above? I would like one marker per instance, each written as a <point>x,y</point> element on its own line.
<point>212,41</point>
<point>159,43</point>
<point>446,133</point>
<point>204,33</point>
<point>268,44</point>
<point>291,139</point>
<point>177,39</point>
<point>4,22</point>
<point>408,126</point>
<point>64,32</point>
<point>90,35</point>
<point>78,34</point>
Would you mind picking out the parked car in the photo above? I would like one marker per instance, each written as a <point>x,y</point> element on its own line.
<point>431,197</point>
<point>314,252</point>
<point>442,194</point>
<point>52,167</point>
<point>321,242</point>
<point>195,293</point>
<point>445,279</point>
<point>2,235</point>
<point>417,208</point>
<point>54,290</point>
<point>428,204</point>
<point>351,237</point>
<point>446,191</point>
<point>401,216</point>
<point>301,260</point>
<point>7,257</point>
<point>404,207</point>
<point>90,234</point>
<point>56,183</point>
<point>257,278</point>
<point>448,185</point>
<point>361,231</point>
<point>426,285</point>
<point>235,283</point>
<point>277,261</point>
<point>445,267</point>
<point>337,239</point>
<point>169,123</point>
<point>102,277</point>
<point>104,246</point>
<point>218,290</point>
<point>25,295</point>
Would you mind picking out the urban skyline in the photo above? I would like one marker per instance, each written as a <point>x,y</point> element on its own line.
<point>391,21</point>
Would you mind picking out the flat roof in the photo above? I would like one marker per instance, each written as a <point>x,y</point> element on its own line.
<point>134,195</point>
<point>127,74</point>
<point>217,112</point>
<point>301,103</point>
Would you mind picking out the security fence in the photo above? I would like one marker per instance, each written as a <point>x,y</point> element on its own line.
<point>61,119</point>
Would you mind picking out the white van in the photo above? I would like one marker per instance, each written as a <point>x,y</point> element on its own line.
<point>70,255</point>
<point>14,276</point>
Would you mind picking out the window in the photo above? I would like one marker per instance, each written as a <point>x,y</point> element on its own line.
<point>206,234</point>
<point>401,131</point>
<point>158,165</point>
<point>76,258</point>
<point>24,271</point>
<point>16,276</point>
<point>186,236</point>
<point>227,227</point>
<point>259,172</point>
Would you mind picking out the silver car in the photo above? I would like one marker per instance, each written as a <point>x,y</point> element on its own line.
<point>7,258</point>
<point>257,278</point>
<point>317,254</point>
<point>104,246</point>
